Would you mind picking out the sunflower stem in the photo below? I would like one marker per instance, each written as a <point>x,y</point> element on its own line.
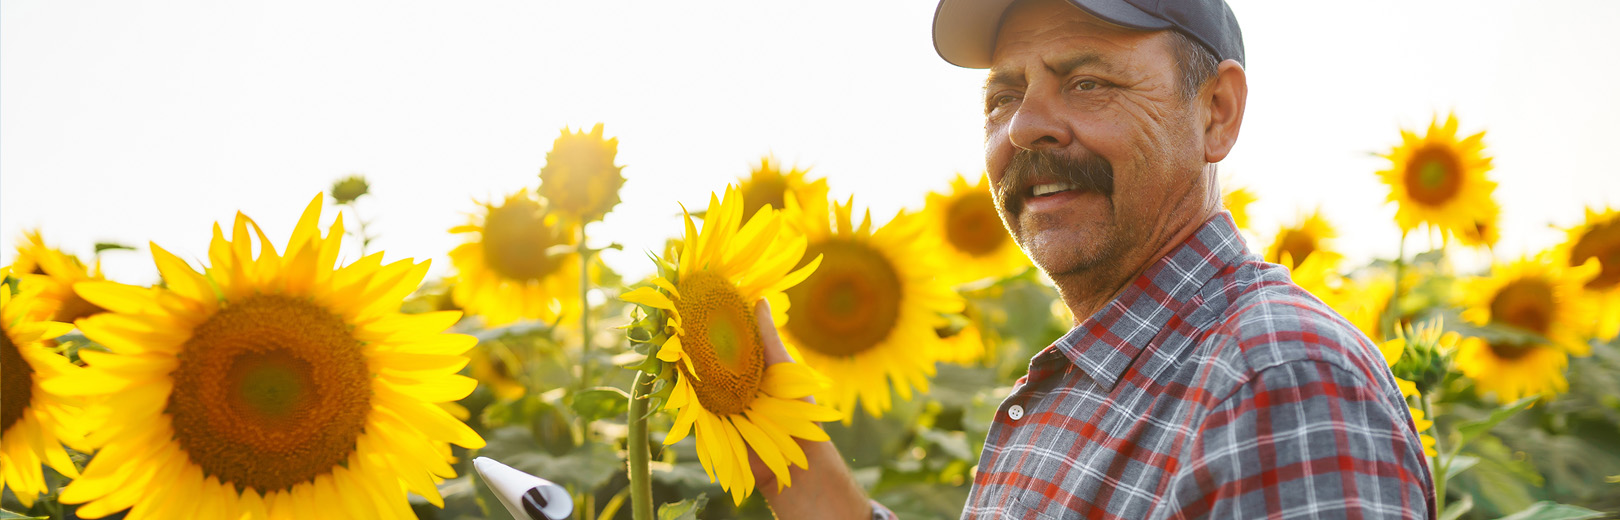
<point>584,324</point>
<point>1440,465</point>
<point>1391,320</point>
<point>641,503</point>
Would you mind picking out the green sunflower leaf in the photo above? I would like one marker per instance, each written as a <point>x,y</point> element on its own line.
<point>1545,510</point>
<point>1473,429</point>
<point>601,403</point>
<point>683,510</point>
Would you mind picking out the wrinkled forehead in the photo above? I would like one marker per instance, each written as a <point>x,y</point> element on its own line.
<point>1059,36</point>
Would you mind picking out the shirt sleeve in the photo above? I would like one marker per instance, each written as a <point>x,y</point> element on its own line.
<point>1304,439</point>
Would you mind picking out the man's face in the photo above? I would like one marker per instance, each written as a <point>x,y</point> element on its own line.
<point>1088,139</point>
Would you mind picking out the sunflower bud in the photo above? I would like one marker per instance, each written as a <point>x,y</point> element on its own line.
<point>347,189</point>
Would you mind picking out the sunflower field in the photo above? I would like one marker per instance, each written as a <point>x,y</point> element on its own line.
<point>277,378</point>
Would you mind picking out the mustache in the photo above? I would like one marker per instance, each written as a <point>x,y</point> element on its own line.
<point>1089,173</point>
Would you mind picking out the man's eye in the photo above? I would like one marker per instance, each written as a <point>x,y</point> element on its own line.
<point>1086,85</point>
<point>1003,100</point>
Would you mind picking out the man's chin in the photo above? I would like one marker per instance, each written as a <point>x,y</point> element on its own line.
<point>1061,252</point>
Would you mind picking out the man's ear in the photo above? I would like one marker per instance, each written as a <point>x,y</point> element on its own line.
<point>1224,97</point>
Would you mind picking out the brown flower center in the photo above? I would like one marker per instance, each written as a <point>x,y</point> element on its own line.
<point>1526,303</point>
<point>271,391</point>
<point>16,381</point>
<point>972,225</point>
<point>762,189</point>
<point>1433,175</point>
<point>1601,241</point>
<point>722,339</point>
<point>850,304</point>
<point>1510,352</point>
<point>1297,243</point>
<point>517,239</point>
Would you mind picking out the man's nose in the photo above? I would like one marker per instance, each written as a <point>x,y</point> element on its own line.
<point>1038,125</point>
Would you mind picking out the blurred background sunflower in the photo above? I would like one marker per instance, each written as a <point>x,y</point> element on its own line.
<point>54,273</point>
<point>976,245</point>
<point>1597,239</point>
<point>1439,180</point>
<point>1306,236</point>
<point>1542,301</point>
<point>519,263</point>
<point>579,178</point>
<point>866,318</point>
<point>768,185</point>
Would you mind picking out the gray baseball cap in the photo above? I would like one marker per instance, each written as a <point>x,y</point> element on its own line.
<point>965,30</point>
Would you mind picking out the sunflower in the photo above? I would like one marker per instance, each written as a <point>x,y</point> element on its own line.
<point>60,272</point>
<point>723,389</point>
<point>1599,239</point>
<point>579,178</point>
<point>29,250</point>
<point>1535,295</point>
<point>54,273</point>
<point>977,245</point>
<point>1237,202</point>
<point>1486,230</point>
<point>512,268</point>
<point>1512,371</point>
<point>1440,180</point>
<point>1317,277</point>
<point>769,185</point>
<point>1311,236</point>
<point>279,386</point>
<point>868,316</point>
<point>36,421</point>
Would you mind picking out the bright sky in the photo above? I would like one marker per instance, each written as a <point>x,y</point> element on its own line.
<point>129,122</point>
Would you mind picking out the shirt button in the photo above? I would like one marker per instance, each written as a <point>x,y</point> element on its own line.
<point>1016,412</point>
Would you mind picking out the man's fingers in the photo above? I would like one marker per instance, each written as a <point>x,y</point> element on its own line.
<point>774,351</point>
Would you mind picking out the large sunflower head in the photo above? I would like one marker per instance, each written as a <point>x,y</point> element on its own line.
<point>279,385</point>
<point>579,178</point>
<point>868,316</point>
<point>976,244</point>
<point>1438,179</point>
<point>705,300</point>
<point>769,185</point>
<point>35,420</point>
<point>518,264</point>
<point>1598,240</point>
<point>1311,235</point>
<point>1534,295</point>
<point>55,272</point>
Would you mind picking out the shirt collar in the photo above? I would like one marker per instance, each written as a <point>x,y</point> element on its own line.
<point>1105,344</point>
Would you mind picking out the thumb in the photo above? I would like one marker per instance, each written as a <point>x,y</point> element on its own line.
<point>774,351</point>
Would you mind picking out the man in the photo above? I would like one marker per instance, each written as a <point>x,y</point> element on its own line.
<point>1202,382</point>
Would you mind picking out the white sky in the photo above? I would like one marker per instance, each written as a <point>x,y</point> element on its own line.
<point>129,122</point>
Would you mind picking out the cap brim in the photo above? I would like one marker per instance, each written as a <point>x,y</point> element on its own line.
<point>965,30</point>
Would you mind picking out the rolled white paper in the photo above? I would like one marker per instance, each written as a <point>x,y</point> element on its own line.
<point>525,495</point>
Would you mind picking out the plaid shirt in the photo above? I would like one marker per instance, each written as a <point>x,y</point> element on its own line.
<point>1211,387</point>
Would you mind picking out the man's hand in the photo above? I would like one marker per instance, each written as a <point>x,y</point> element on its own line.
<point>826,490</point>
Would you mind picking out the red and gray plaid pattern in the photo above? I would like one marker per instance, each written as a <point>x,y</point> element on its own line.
<point>1211,387</point>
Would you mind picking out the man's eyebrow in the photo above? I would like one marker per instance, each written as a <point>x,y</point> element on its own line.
<point>1067,65</point>
<point>1003,77</point>
<point>1062,67</point>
